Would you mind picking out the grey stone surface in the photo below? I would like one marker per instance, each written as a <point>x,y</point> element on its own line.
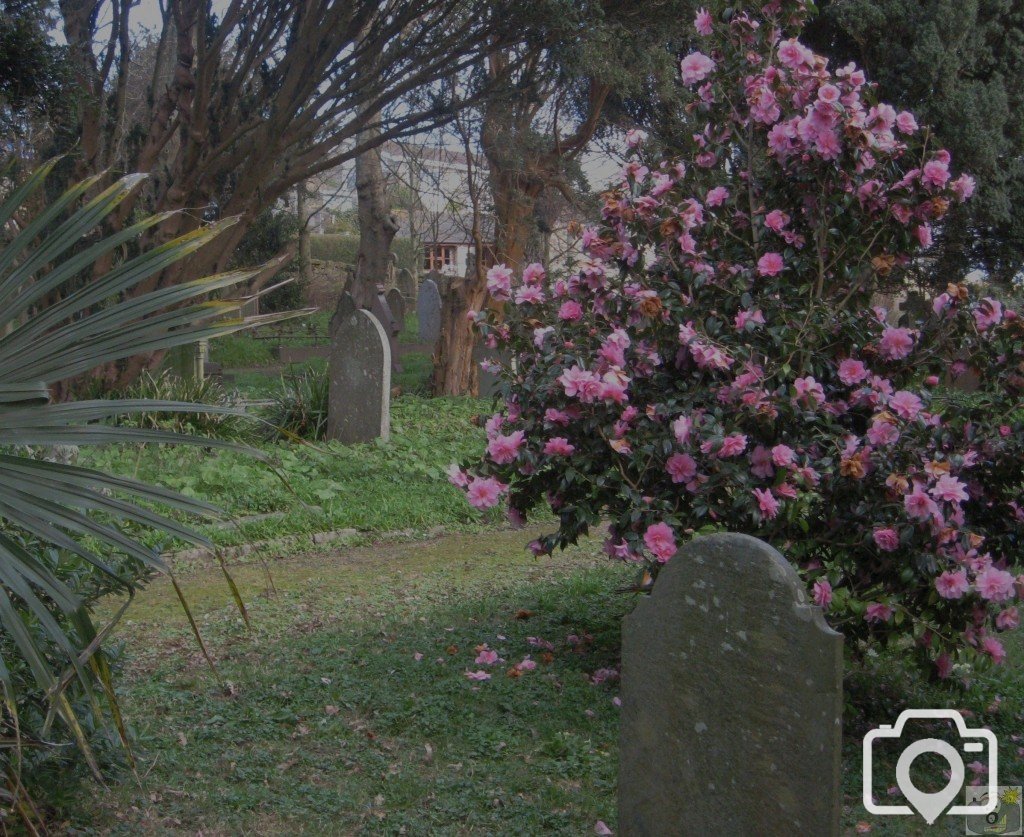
<point>406,283</point>
<point>428,312</point>
<point>360,376</point>
<point>731,700</point>
<point>397,305</point>
<point>488,382</point>
<point>382,311</point>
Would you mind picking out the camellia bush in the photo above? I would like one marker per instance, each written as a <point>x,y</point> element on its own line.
<point>716,361</point>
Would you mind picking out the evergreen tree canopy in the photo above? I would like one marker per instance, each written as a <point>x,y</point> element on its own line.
<point>958,65</point>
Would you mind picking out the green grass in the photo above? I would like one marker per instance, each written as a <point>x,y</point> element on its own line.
<point>398,485</point>
<point>330,724</point>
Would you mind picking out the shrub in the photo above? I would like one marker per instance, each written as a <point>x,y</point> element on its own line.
<point>167,386</point>
<point>716,363</point>
<point>300,405</point>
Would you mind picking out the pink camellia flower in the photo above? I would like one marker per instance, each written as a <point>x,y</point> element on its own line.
<point>732,445</point>
<point>483,492</point>
<point>1008,619</point>
<point>887,539</point>
<point>988,313</point>
<point>878,612</point>
<point>935,173</point>
<point>770,264</point>
<point>499,281</point>
<point>504,449</point>
<point>559,446</point>
<point>761,462</point>
<point>534,273</point>
<point>994,648</point>
<point>919,505</point>
<point>923,232</point>
<point>766,503</point>
<point>661,541</point>
<point>852,371</point>
<point>943,666</point>
<point>829,93</point>
<point>478,675</point>
<point>681,467</point>
<point>822,593</point>
<point>905,404</point>
<point>963,187</point>
<point>952,585</point>
<point>695,67</point>
<point>578,382</point>
<point>529,294</point>
<point>681,429</point>
<point>906,122</point>
<point>776,220</point>
<point>994,585</point>
<point>570,310</point>
<point>950,489</point>
<point>783,455</point>
<point>882,433</point>
<point>716,196</point>
<point>703,22</point>
<point>794,54</point>
<point>635,137</point>
<point>809,388</point>
<point>526,664</point>
<point>456,476</point>
<point>896,343</point>
<point>487,657</point>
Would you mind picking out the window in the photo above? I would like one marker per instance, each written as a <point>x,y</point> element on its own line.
<point>438,257</point>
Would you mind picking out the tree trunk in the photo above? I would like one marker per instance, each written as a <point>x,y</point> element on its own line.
<point>377,225</point>
<point>303,216</point>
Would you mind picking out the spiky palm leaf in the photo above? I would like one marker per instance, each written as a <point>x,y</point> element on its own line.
<point>61,507</point>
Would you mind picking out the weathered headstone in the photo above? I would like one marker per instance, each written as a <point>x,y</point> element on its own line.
<point>360,376</point>
<point>488,380</point>
<point>406,283</point>
<point>428,312</point>
<point>397,305</point>
<point>731,699</point>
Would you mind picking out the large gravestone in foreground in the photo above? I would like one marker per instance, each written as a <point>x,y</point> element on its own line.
<point>360,376</point>
<point>731,700</point>
<point>428,312</point>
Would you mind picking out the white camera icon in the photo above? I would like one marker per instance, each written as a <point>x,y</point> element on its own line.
<point>931,805</point>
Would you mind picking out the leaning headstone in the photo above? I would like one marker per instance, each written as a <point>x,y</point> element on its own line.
<point>406,283</point>
<point>731,699</point>
<point>397,305</point>
<point>360,376</point>
<point>428,312</point>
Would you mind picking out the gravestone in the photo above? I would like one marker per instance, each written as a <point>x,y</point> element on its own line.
<point>360,376</point>
<point>397,305</point>
<point>488,381</point>
<point>428,312</point>
<point>382,311</point>
<point>731,699</point>
<point>406,283</point>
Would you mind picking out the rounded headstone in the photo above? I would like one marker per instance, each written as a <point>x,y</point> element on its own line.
<point>731,699</point>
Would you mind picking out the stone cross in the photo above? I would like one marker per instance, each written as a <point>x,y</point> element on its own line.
<point>428,312</point>
<point>359,405</point>
<point>731,699</point>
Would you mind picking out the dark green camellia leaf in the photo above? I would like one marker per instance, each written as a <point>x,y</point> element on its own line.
<point>50,507</point>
